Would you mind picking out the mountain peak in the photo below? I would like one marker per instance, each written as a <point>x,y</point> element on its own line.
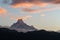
<point>20,21</point>
<point>21,26</point>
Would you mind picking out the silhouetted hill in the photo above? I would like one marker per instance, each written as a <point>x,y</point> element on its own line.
<point>20,26</point>
<point>7,34</point>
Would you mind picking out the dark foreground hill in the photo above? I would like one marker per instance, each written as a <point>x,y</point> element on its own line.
<point>7,34</point>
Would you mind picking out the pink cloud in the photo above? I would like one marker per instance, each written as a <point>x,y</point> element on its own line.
<point>27,3</point>
<point>23,17</point>
<point>22,5</point>
<point>30,3</point>
<point>3,11</point>
<point>40,10</point>
<point>30,10</point>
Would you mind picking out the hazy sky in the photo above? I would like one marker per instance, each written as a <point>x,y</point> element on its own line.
<point>42,14</point>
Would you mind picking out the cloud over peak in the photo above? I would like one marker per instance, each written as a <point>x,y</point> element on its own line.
<point>23,17</point>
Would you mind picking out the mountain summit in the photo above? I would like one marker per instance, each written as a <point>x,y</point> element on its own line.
<point>22,27</point>
<point>20,21</point>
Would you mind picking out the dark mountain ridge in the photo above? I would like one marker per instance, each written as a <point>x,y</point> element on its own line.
<point>7,34</point>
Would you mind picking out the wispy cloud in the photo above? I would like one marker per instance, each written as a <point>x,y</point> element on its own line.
<point>56,1</point>
<point>30,10</point>
<point>3,11</point>
<point>41,10</point>
<point>23,17</point>
<point>29,3</point>
<point>42,15</point>
<point>50,9</point>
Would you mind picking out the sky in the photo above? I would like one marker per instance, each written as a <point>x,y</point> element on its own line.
<point>42,14</point>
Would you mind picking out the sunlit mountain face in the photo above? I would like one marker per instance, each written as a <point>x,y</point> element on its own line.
<point>42,14</point>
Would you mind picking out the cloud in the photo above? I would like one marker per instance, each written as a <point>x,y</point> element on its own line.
<point>22,5</point>
<point>49,9</point>
<point>30,3</point>
<point>40,10</point>
<point>30,10</point>
<point>23,17</point>
<point>3,11</point>
<point>56,1</point>
<point>27,3</point>
<point>42,15</point>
